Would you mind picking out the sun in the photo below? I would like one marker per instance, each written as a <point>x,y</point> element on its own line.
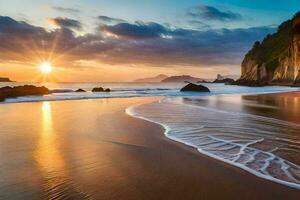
<point>45,67</point>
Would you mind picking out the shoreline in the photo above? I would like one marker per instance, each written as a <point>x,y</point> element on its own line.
<point>202,155</point>
<point>190,145</point>
<point>167,129</point>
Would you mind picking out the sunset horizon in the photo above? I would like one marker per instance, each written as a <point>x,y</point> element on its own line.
<point>87,43</point>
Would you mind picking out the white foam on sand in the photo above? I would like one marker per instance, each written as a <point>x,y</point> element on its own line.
<point>246,141</point>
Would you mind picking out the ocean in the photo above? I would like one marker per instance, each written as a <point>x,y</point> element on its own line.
<point>65,91</point>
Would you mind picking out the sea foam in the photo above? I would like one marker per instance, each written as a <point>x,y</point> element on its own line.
<point>253,143</point>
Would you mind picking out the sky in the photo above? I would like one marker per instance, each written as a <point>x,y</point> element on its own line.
<point>123,40</point>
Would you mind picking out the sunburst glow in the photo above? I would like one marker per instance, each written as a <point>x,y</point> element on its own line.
<point>45,67</point>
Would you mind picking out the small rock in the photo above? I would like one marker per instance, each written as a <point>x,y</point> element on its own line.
<point>99,89</point>
<point>80,90</point>
<point>191,87</point>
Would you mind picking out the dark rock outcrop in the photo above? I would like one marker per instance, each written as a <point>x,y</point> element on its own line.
<point>191,87</point>
<point>80,90</point>
<point>18,91</point>
<point>225,80</point>
<point>5,79</point>
<point>222,79</point>
<point>276,60</point>
<point>100,89</point>
<point>296,83</point>
<point>204,81</point>
<point>249,83</point>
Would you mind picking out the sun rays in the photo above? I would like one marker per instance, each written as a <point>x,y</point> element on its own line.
<point>46,68</point>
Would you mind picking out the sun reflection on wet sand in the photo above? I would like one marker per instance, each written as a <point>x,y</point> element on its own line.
<point>284,106</point>
<point>47,154</point>
<point>57,181</point>
<point>48,157</point>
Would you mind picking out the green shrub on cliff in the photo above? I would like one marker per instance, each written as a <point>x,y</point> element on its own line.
<point>272,47</point>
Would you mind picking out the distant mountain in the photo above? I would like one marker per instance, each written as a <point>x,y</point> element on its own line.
<point>183,78</point>
<point>5,79</point>
<point>155,79</point>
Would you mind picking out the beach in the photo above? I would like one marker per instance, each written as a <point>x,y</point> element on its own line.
<point>91,149</point>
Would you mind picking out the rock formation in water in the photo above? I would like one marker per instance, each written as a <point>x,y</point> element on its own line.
<point>222,79</point>
<point>191,87</point>
<point>18,91</point>
<point>5,79</point>
<point>100,89</point>
<point>80,90</point>
<point>276,60</point>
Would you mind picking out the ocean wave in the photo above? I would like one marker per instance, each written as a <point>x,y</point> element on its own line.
<point>115,90</point>
<point>128,90</point>
<point>142,89</point>
<point>61,91</point>
<point>250,142</point>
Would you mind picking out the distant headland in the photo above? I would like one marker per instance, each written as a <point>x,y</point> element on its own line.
<point>182,78</point>
<point>275,60</point>
<point>155,79</point>
<point>186,78</point>
<point>4,79</point>
<point>169,79</point>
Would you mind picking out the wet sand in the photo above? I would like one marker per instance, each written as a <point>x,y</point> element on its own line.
<point>284,106</point>
<point>90,149</point>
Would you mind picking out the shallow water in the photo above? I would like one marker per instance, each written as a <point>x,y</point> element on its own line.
<point>235,129</point>
<point>65,91</point>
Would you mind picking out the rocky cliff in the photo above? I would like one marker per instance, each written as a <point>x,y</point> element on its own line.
<point>276,60</point>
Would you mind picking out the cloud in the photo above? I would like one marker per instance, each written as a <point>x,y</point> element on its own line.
<point>138,30</point>
<point>199,24</point>
<point>8,25</point>
<point>150,44</point>
<point>22,42</point>
<point>191,48</point>
<point>110,20</point>
<point>66,23</point>
<point>66,10</point>
<point>212,13</point>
